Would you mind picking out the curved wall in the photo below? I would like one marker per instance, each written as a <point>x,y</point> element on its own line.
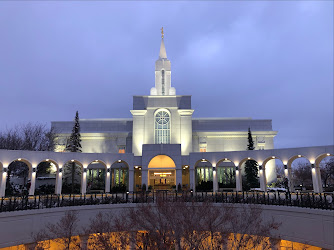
<point>309,226</point>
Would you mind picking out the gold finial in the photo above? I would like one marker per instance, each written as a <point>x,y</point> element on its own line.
<point>162,32</point>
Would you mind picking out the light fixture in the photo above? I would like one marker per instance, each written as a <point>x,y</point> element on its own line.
<point>5,170</point>
<point>273,157</point>
<point>203,160</point>
<point>19,159</point>
<point>33,170</point>
<point>162,173</point>
<point>139,168</point>
<point>60,170</point>
<point>47,160</point>
<point>312,165</point>
<point>96,160</point>
<point>299,156</point>
<point>186,166</point>
<point>136,166</point>
<point>237,168</point>
<point>119,161</point>
<point>214,169</point>
<point>225,159</point>
<point>108,170</point>
<point>72,160</point>
<point>260,167</point>
<point>285,166</point>
<point>328,154</point>
<point>248,158</point>
<point>85,170</point>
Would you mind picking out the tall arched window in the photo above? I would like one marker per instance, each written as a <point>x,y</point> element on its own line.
<point>162,127</point>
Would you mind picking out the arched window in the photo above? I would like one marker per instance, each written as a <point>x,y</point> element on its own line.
<point>162,127</point>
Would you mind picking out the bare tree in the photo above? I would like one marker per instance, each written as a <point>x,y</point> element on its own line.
<point>327,172</point>
<point>302,175</point>
<point>62,232</point>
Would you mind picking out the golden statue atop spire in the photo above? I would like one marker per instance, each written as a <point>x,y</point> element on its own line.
<point>162,32</point>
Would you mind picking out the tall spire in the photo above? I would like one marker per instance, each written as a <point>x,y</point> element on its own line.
<point>162,53</point>
<point>162,72</point>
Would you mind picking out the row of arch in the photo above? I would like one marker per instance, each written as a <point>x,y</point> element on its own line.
<point>237,167</point>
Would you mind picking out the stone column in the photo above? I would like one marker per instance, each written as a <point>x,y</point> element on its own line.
<point>214,179</point>
<point>59,180</point>
<point>3,181</point>
<point>84,241</point>
<point>131,179</point>
<point>263,180</point>
<point>192,178</point>
<point>144,177</point>
<point>107,180</point>
<point>238,179</point>
<point>178,177</point>
<point>186,135</point>
<point>84,180</point>
<point>32,174</point>
<point>316,178</point>
<point>138,131</point>
<point>288,175</point>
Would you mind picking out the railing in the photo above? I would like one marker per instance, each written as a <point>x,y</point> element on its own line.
<point>299,199</point>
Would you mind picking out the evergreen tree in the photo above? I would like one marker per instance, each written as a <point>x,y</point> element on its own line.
<point>251,167</point>
<point>74,145</point>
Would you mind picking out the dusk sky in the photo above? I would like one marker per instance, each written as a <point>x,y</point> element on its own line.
<point>265,60</point>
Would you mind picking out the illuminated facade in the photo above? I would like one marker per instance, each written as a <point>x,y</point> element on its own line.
<point>162,126</point>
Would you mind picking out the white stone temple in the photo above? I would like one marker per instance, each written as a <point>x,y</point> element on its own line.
<point>162,136</point>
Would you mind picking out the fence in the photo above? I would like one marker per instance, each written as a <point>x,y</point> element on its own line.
<point>308,200</point>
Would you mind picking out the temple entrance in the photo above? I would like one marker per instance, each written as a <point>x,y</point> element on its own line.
<point>161,174</point>
<point>162,180</point>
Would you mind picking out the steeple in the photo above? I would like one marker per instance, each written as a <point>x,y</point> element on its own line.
<point>162,53</point>
<point>162,72</point>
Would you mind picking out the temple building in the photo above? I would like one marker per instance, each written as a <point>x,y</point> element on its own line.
<point>162,136</point>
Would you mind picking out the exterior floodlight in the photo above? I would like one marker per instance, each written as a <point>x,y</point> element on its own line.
<point>19,159</point>
<point>60,170</point>
<point>108,170</point>
<point>299,156</point>
<point>47,160</point>
<point>33,170</point>
<point>248,158</point>
<point>119,161</point>
<point>85,170</point>
<point>214,169</point>
<point>5,170</point>
<point>328,154</point>
<point>312,165</point>
<point>72,160</point>
<point>237,168</point>
<point>285,166</point>
<point>260,167</point>
<point>273,157</point>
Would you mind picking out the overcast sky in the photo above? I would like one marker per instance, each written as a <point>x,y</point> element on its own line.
<point>265,60</point>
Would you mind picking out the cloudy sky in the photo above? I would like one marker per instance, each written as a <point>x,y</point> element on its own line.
<point>265,60</point>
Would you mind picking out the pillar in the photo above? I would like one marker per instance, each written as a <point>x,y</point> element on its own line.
<point>3,181</point>
<point>144,177</point>
<point>263,180</point>
<point>288,175</point>
<point>178,178</point>
<point>59,180</point>
<point>192,178</point>
<point>107,180</point>
<point>316,178</point>
<point>84,241</point>
<point>214,179</point>
<point>238,178</point>
<point>84,180</point>
<point>275,244</point>
<point>131,179</point>
<point>32,174</point>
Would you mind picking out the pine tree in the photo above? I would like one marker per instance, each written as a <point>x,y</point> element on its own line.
<point>74,144</point>
<point>251,167</point>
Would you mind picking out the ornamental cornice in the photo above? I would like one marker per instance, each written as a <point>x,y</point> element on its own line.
<point>138,112</point>
<point>185,112</point>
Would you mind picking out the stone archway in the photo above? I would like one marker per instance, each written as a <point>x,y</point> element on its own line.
<point>161,173</point>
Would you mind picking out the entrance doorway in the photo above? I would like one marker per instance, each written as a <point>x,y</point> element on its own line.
<point>162,179</point>
<point>161,174</point>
